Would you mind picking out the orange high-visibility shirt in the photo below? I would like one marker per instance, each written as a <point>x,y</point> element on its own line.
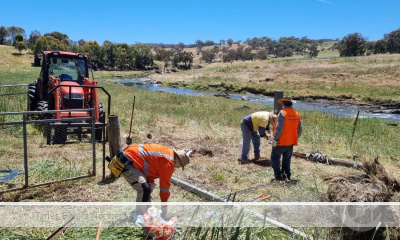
<point>289,134</point>
<point>155,161</point>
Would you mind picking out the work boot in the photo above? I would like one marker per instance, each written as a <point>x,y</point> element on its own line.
<point>256,158</point>
<point>285,176</point>
<point>278,178</point>
<point>244,161</point>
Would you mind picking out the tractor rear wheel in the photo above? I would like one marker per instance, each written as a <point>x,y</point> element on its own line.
<point>32,97</point>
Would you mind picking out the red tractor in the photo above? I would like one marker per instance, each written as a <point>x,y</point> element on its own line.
<point>64,84</point>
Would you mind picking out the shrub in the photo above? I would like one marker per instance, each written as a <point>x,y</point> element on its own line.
<point>20,46</point>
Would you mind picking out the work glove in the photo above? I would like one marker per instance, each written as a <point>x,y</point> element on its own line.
<point>152,186</point>
<point>269,137</point>
<point>164,211</point>
<point>273,143</point>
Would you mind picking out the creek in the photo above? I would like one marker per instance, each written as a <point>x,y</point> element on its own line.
<point>344,111</point>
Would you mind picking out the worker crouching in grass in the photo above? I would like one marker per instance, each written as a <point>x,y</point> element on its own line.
<point>141,164</point>
<point>254,127</point>
<point>287,130</point>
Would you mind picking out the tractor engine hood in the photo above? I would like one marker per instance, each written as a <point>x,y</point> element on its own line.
<point>75,91</point>
<point>73,99</point>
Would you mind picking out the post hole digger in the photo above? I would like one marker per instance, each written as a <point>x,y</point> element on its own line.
<point>64,84</point>
<point>129,138</point>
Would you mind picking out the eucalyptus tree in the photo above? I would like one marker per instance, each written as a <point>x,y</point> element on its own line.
<point>352,45</point>
<point>393,41</point>
<point>3,35</point>
<point>13,31</point>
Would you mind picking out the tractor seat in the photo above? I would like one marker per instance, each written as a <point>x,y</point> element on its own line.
<point>65,77</point>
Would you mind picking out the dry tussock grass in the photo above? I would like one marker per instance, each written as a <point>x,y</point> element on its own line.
<point>213,167</point>
<point>376,185</point>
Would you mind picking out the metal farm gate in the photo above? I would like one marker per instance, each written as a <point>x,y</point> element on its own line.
<point>35,148</point>
<point>24,151</point>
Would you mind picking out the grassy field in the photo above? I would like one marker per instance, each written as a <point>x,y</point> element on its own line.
<point>210,126</point>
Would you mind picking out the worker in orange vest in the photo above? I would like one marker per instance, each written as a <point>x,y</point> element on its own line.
<point>146,162</point>
<point>287,130</point>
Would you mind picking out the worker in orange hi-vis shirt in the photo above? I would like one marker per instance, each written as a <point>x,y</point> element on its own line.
<point>146,162</point>
<point>286,132</point>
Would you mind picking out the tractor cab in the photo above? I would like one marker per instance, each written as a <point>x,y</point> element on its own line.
<point>67,69</point>
<point>63,68</point>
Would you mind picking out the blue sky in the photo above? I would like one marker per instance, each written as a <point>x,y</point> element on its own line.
<point>156,21</point>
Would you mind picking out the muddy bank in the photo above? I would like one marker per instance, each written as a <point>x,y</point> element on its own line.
<point>342,100</point>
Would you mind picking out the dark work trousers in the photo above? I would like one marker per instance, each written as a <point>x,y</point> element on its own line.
<point>286,152</point>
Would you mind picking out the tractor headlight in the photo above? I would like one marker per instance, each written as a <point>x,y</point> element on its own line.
<point>74,96</point>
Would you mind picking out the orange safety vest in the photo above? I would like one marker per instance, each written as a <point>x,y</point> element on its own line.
<point>289,134</point>
<point>155,161</point>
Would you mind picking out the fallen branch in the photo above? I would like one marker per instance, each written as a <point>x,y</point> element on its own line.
<point>332,161</point>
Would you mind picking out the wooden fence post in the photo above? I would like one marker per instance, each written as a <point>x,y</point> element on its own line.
<point>277,95</point>
<point>114,137</point>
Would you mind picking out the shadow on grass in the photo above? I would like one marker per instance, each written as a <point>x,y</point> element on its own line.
<point>261,162</point>
<point>108,180</point>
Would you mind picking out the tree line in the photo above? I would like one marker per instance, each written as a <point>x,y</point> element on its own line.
<point>122,56</point>
<point>261,49</point>
<point>108,56</point>
<point>357,45</point>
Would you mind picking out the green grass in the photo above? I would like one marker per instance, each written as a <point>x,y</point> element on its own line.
<point>72,233</point>
<point>332,135</point>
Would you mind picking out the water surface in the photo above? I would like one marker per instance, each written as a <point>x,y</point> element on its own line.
<point>345,111</point>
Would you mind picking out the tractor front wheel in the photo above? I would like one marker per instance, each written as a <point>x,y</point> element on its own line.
<point>43,106</point>
<point>99,131</point>
<point>60,134</point>
<point>101,113</point>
